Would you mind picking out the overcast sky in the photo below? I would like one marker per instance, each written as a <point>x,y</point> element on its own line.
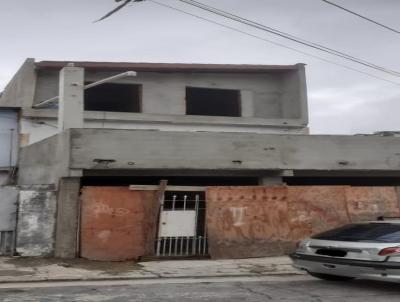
<point>340,100</point>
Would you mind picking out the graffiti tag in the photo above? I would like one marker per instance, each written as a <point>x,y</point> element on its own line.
<point>238,215</point>
<point>102,208</point>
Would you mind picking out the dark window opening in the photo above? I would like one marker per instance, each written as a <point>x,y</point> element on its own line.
<point>114,98</point>
<point>342,181</point>
<point>212,102</point>
<point>172,181</point>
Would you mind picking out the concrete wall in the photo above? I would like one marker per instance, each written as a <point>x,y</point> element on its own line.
<point>36,223</point>
<point>20,90</point>
<point>231,151</point>
<point>45,162</point>
<point>34,130</point>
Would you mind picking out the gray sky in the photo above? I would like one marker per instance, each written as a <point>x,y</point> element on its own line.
<point>340,100</point>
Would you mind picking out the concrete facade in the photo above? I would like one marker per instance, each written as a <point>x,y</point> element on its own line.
<point>273,98</point>
<point>231,151</point>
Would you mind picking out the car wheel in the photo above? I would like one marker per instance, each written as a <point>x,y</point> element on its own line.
<point>330,277</point>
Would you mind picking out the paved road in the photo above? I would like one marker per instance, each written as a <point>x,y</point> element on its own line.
<point>288,289</point>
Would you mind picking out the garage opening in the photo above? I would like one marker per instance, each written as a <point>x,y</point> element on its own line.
<point>342,181</point>
<point>114,98</point>
<point>212,102</point>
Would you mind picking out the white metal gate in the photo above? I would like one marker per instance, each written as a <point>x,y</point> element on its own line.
<point>182,228</point>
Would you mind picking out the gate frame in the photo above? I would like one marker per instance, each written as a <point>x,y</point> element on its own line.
<point>161,189</point>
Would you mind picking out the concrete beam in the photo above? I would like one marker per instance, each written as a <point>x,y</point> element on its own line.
<point>71,106</point>
<point>67,218</point>
<point>140,149</point>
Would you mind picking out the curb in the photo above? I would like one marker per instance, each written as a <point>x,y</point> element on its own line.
<point>148,278</point>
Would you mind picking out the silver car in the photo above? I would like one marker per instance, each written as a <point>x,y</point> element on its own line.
<point>369,250</point>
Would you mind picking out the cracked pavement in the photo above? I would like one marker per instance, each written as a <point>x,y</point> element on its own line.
<point>42,269</point>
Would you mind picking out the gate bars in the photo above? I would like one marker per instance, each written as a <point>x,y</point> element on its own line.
<point>187,237</point>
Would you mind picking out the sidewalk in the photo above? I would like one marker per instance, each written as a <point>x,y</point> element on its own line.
<point>37,269</point>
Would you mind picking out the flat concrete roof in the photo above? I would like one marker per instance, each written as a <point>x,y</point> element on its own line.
<point>169,67</point>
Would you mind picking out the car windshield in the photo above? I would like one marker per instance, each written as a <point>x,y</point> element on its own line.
<point>364,232</point>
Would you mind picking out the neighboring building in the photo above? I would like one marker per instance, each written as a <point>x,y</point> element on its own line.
<point>135,162</point>
<point>8,144</point>
<point>8,161</point>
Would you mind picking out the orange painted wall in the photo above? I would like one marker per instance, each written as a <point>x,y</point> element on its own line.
<point>265,221</point>
<point>117,224</point>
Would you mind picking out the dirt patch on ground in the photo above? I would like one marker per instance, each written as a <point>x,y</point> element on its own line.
<point>107,267</point>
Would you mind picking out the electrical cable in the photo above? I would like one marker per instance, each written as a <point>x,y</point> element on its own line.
<point>287,36</point>
<point>361,16</point>
<point>274,43</point>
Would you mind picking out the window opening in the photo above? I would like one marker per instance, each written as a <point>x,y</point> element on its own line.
<point>212,102</point>
<point>114,98</point>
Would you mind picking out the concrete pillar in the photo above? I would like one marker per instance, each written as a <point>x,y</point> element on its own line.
<point>71,108</point>
<point>247,103</point>
<point>270,180</point>
<point>274,178</point>
<point>303,93</point>
<point>67,218</point>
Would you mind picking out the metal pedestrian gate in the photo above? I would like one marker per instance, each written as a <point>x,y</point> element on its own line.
<point>182,228</point>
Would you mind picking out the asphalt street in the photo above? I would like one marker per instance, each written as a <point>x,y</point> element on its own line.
<point>282,288</point>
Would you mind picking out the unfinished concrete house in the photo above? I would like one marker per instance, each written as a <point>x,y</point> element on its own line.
<point>125,160</point>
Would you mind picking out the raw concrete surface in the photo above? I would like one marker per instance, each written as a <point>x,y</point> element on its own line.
<point>230,151</point>
<point>36,223</point>
<point>282,288</point>
<point>39,269</point>
<point>8,207</point>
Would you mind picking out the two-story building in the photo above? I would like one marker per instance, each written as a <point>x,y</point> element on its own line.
<point>125,160</point>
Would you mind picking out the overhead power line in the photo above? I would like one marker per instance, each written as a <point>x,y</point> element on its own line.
<point>288,36</point>
<point>361,16</point>
<point>279,33</point>
<point>273,42</point>
<point>119,7</point>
